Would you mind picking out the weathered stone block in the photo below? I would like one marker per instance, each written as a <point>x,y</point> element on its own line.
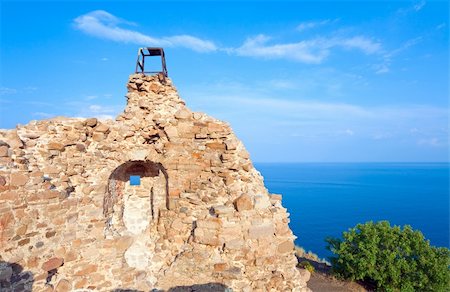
<point>63,286</point>
<point>103,128</point>
<point>52,263</point>
<point>55,146</point>
<point>92,122</point>
<point>18,179</point>
<point>243,203</point>
<point>86,270</point>
<point>286,246</point>
<point>98,136</point>
<point>212,223</point>
<point>262,202</point>
<point>4,151</point>
<point>216,145</point>
<point>261,231</point>
<point>183,114</point>
<point>223,210</point>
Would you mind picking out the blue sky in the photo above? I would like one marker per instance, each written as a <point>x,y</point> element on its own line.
<point>339,81</point>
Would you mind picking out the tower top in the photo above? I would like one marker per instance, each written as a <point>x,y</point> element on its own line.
<point>150,52</point>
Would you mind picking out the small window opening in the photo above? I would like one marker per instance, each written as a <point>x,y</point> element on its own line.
<point>135,180</point>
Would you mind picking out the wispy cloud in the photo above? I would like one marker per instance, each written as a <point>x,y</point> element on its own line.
<point>384,66</point>
<point>313,51</point>
<point>432,142</point>
<point>104,25</point>
<point>440,26</point>
<point>419,5</point>
<point>415,7</point>
<point>313,24</point>
<point>98,111</point>
<point>7,91</point>
<point>254,113</point>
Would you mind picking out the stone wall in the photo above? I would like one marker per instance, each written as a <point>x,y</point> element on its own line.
<point>71,220</point>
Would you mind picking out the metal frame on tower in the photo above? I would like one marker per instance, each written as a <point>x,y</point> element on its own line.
<point>150,52</point>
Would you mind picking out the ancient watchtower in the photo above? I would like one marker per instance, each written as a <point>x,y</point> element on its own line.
<point>158,198</point>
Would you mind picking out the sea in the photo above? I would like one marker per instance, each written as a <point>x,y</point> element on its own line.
<point>325,199</point>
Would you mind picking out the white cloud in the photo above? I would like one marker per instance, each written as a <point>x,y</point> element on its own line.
<point>349,132</point>
<point>440,26</point>
<point>104,25</point>
<point>384,66</point>
<point>282,84</point>
<point>431,142</point>
<point>418,6</point>
<point>255,111</point>
<point>104,59</point>
<point>313,51</point>
<point>7,91</point>
<point>312,24</point>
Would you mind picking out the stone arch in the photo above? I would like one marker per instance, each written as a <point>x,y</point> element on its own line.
<point>132,209</point>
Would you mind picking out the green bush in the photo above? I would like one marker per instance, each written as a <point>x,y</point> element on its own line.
<point>392,258</point>
<point>306,265</point>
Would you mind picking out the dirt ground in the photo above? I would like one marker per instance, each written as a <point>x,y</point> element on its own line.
<point>322,281</point>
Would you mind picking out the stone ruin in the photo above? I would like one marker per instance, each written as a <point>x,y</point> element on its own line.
<point>162,198</point>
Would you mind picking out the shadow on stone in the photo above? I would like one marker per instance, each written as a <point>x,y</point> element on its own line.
<point>209,287</point>
<point>13,278</point>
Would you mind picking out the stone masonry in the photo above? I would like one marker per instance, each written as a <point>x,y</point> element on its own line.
<point>70,220</point>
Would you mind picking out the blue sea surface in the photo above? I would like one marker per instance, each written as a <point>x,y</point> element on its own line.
<point>325,199</point>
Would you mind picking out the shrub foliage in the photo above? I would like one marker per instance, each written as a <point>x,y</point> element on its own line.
<point>392,258</point>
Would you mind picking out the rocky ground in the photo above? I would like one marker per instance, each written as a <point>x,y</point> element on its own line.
<point>322,280</point>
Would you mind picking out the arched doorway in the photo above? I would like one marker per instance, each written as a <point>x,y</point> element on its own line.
<point>136,192</point>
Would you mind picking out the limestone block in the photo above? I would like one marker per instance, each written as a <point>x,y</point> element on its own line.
<point>103,128</point>
<point>261,231</point>
<point>138,155</point>
<point>305,275</point>
<point>262,202</point>
<point>234,244</point>
<point>92,122</point>
<point>286,246</point>
<point>171,132</point>
<point>86,270</point>
<point>98,136</point>
<point>18,179</point>
<point>206,236</point>
<point>55,146</point>
<point>223,210</point>
<point>4,151</point>
<point>136,214</point>
<point>216,145</point>
<point>137,256</point>
<point>244,202</point>
<point>52,263</point>
<point>63,286</point>
<point>211,223</point>
<point>183,114</point>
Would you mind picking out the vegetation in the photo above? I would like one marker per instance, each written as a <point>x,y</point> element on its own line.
<point>390,257</point>
<point>306,265</point>
<point>301,254</point>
